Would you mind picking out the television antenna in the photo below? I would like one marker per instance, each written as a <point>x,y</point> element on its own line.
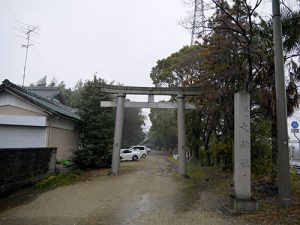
<point>29,32</point>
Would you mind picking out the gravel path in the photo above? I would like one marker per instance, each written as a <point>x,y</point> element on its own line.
<point>147,192</point>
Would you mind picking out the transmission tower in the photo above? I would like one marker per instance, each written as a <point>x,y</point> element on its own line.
<point>198,20</point>
<point>29,31</point>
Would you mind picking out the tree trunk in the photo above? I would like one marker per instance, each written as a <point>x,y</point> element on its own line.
<point>206,148</point>
<point>196,151</point>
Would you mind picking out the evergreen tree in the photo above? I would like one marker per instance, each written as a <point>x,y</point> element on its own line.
<point>97,128</point>
<point>41,82</point>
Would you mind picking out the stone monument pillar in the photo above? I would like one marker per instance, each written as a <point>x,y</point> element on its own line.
<point>241,201</point>
<point>242,151</point>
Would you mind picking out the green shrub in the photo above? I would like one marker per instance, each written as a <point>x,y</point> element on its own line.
<point>92,157</point>
<point>261,161</point>
<point>295,181</point>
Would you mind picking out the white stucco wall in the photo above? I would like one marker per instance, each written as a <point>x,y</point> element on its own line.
<point>21,123</point>
<point>8,99</point>
<point>23,120</point>
<point>22,136</point>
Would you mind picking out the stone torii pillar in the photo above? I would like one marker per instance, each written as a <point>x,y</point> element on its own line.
<point>118,134</point>
<point>181,136</point>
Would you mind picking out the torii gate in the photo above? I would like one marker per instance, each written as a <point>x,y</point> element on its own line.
<point>122,91</point>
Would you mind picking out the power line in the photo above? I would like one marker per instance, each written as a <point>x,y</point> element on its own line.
<point>13,15</point>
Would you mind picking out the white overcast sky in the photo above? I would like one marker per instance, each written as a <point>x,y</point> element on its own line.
<point>121,40</point>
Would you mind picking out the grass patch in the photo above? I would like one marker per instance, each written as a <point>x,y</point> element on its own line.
<point>295,182</point>
<point>195,170</point>
<point>198,172</point>
<point>59,180</point>
<point>210,177</point>
<point>213,178</point>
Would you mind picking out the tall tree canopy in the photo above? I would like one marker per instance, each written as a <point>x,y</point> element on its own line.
<point>235,54</point>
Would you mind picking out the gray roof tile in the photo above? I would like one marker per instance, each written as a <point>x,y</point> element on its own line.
<point>52,106</point>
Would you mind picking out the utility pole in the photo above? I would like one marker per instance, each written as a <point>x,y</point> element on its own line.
<point>284,185</point>
<point>28,33</point>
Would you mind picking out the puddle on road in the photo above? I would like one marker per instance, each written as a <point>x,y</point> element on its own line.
<point>150,205</point>
<point>125,214</point>
<point>145,205</point>
<point>186,200</point>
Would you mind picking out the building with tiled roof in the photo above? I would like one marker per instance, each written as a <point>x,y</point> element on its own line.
<point>51,93</point>
<point>31,119</point>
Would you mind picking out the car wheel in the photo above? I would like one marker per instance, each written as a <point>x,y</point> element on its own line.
<point>144,155</point>
<point>134,158</point>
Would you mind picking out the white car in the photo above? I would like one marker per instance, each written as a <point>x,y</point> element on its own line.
<point>148,150</point>
<point>123,149</point>
<point>127,154</point>
<point>141,149</point>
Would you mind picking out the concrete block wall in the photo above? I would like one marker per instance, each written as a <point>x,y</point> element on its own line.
<point>20,166</point>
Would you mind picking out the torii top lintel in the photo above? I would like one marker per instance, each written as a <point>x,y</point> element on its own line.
<point>186,91</point>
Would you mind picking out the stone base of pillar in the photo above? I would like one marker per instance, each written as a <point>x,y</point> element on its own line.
<point>184,176</point>
<point>113,174</point>
<point>239,206</point>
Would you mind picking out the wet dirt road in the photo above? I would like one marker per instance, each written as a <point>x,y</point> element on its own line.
<point>147,192</point>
